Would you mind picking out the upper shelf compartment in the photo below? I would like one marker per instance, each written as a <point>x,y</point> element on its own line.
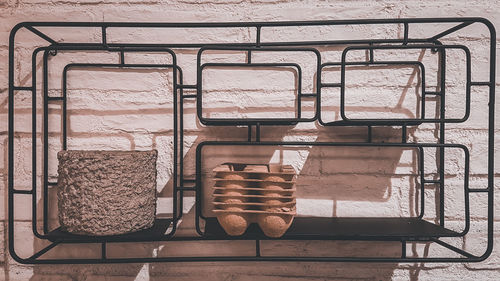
<point>287,73</point>
<point>250,87</point>
<point>367,105</point>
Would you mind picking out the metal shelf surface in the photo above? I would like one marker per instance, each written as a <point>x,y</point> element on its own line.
<point>155,233</point>
<point>355,228</point>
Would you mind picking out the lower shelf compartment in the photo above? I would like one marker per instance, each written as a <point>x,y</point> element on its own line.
<point>343,229</point>
<point>155,233</point>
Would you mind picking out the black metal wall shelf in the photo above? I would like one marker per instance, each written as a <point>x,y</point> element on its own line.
<point>401,230</point>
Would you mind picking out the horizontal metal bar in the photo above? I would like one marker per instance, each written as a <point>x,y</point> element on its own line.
<point>120,65</point>
<point>331,85</point>
<point>434,93</point>
<point>187,188</point>
<point>479,190</point>
<point>187,86</point>
<point>257,24</point>
<point>18,88</point>
<point>308,95</point>
<point>354,144</point>
<point>189,96</point>
<point>369,63</point>
<point>116,46</point>
<point>248,259</point>
<point>22,191</point>
<point>169,238</point>
<point>52,183</point>
<point>301,143</point>
<point>254,121</point>
<point>55,98</point>
<point>432,181</point>
<point>480,83</point>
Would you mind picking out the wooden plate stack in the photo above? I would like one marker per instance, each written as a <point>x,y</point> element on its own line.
<point>252,193</point>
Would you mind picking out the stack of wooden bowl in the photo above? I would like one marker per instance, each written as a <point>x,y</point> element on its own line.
<point>252,193</point>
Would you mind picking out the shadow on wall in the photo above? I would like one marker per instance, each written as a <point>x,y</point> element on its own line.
<point>332,182</point>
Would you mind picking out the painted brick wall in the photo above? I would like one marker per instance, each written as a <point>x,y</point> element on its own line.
<point>111,109</point>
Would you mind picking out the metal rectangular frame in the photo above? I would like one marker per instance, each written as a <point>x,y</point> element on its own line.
<point>421,166</point>
<point>442,49</point>
<point>52,50</point>
<point>183,184</point>
<point>254,121</point>
<point>341,85</point>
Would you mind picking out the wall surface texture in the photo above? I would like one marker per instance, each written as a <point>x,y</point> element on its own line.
<point>116,109</point>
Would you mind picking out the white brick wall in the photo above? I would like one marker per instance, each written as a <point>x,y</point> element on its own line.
<point>98,100</point>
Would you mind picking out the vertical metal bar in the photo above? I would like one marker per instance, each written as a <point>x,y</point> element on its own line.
<point>45,143</point>
<point>466,190</point>
<point>319,73</point>
<point>405,36</point>
<point>342,84</point>
<point>103,36</point>
<point>249,132</point>
<point>299,92</point>
<point>181,143</point>
<point>176,143</point>
<point>199,95</point>
<point>257,39</point>
<point>33,144</point>
<point>64,110</point>
<point>257,248</point>
<point>371,53</point>
<point>249,56</point>
<point>423,102</point>
<point>491,136</point>
<point>122,57</point>
<point>10,170</point>
<point>403,249</point>
<point>103,250</point>
<point>198,188</point>
<point>421,161</point>
<point>403,134</point>
<point>442,116</point>
<point>369,139</point>
<point>257,132</point>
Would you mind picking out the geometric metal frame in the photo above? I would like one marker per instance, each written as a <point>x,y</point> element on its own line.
<point>253,121</point>
<point>407,121</point>
<point>181,184</point>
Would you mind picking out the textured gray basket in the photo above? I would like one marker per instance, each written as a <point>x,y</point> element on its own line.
<point>106,192</point>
